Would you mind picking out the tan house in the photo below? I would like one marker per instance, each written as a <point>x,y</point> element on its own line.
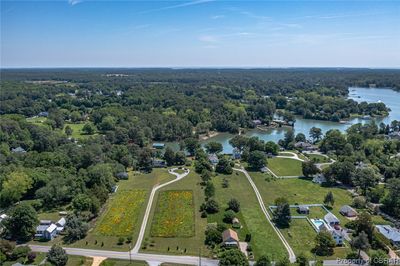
<point>230,238</point>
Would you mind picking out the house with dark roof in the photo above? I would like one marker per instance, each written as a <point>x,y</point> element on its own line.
<point>158,163</point>
<point>230,238</point>
<point>348,211</point>
<point>303,209</point>
<point>305,146</point>
<point>390,233</point>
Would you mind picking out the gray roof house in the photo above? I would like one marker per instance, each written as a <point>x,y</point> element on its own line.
<point>61,224</point>
<point>18,150</point>
<point>122,175</point>
<point>391,233</point>
<point>213,158</point>
<point>348,211</point>
<point>331,219</point>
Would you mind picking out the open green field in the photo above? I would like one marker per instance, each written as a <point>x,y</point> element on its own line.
<point>264,239</point>
<point>174,215</point>
<point>300,191</point>
<point>286,154</point>
<point>77,130</point>
<point>128,191</point>
<point>285,166</point>
<point>300,236</point>
<point>318,158</point>
<point>116,262</point>
<point>178,245</point>
<point>79,261</point>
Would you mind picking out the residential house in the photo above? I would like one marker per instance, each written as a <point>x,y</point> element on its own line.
<point>158,163</point>
<point>230,238</point>
<point>337,235</point>
<point>303,209</point>
<point>305,146</point>
<point>43,114</point>
<point>213,158</point>
<point>331,219</point>
<point>18,150</point>
<point>122,175</point>
<point>257,122</point>
<point>348,211</point>
<point>319,179</point>
<point>236,154</point>
<point>390,233</point>
<point>45,231</point>
<point>394,135</point>
<point>61,225</point>
<point>158,146</point>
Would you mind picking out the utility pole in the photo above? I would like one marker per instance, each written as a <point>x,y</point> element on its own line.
<point>199,256</point>
<point>130,255</point>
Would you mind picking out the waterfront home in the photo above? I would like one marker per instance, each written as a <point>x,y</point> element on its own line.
<point>236,154</point>
<point>213,158</point>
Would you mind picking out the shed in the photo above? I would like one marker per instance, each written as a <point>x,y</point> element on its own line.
<point>303,209</point>
<point>230,238</point>
<point>18,150</point>
<point>348,211</point>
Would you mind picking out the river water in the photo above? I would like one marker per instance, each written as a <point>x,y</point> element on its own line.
<point>390,97</point>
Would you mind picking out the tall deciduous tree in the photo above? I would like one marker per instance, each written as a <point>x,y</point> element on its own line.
<point>22,221</point>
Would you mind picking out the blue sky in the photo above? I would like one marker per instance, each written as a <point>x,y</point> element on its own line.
<point>200,33</point>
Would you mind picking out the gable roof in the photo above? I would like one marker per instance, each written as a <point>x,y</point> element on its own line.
<point>61,222</point>
<point>51,228</point>
<point>389,232</point>
<point>331,218</point>
<point>229,234</point>
<point>346,209</point>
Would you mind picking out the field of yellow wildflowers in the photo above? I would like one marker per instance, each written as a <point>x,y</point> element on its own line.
<point>122,216</point>
<point>174,215</point>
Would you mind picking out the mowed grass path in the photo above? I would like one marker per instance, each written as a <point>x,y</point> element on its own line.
<point>177,245</point>
<point>136,188</point>
<point>285,166</point>
<point>174,215</point>
<point>264,240</point>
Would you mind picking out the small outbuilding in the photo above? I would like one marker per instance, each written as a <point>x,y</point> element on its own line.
<point>303,209</point>
<point>18,150</point>
<point>348,211</point>
<point>158,146</point>
<point>230,238</point>
<point>122,175</point>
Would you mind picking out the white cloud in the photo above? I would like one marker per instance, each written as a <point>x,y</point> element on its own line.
<point>74,2</point>
<point>208,38</point>
<point>217,17</point>
<point>191,3</point>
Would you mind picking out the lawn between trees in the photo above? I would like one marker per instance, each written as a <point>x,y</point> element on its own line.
<point>285,166</point>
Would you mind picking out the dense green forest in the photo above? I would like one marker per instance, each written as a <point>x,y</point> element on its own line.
<point>120,112</point>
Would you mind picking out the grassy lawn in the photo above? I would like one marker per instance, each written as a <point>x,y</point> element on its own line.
<point>285,166</point>
<point>178,245</point>
<point>300,236</point>
<point>77,130</point>
<point>79,260</point>
<point>174,215</point>
<point>318,158</point>
<point>264,239</point>
<point>116,262</point>
<point>286,154</point>
<point>300,191</point>
<point>123,212</point>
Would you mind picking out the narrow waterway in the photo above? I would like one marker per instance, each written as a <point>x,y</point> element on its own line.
<point>390,97</point>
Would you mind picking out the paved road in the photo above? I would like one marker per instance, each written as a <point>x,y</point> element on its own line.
<point>136,248</point>
<point>292,256</point>
<point>155,259</point>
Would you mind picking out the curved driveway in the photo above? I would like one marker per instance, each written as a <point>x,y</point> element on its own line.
<point>292,256</point>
